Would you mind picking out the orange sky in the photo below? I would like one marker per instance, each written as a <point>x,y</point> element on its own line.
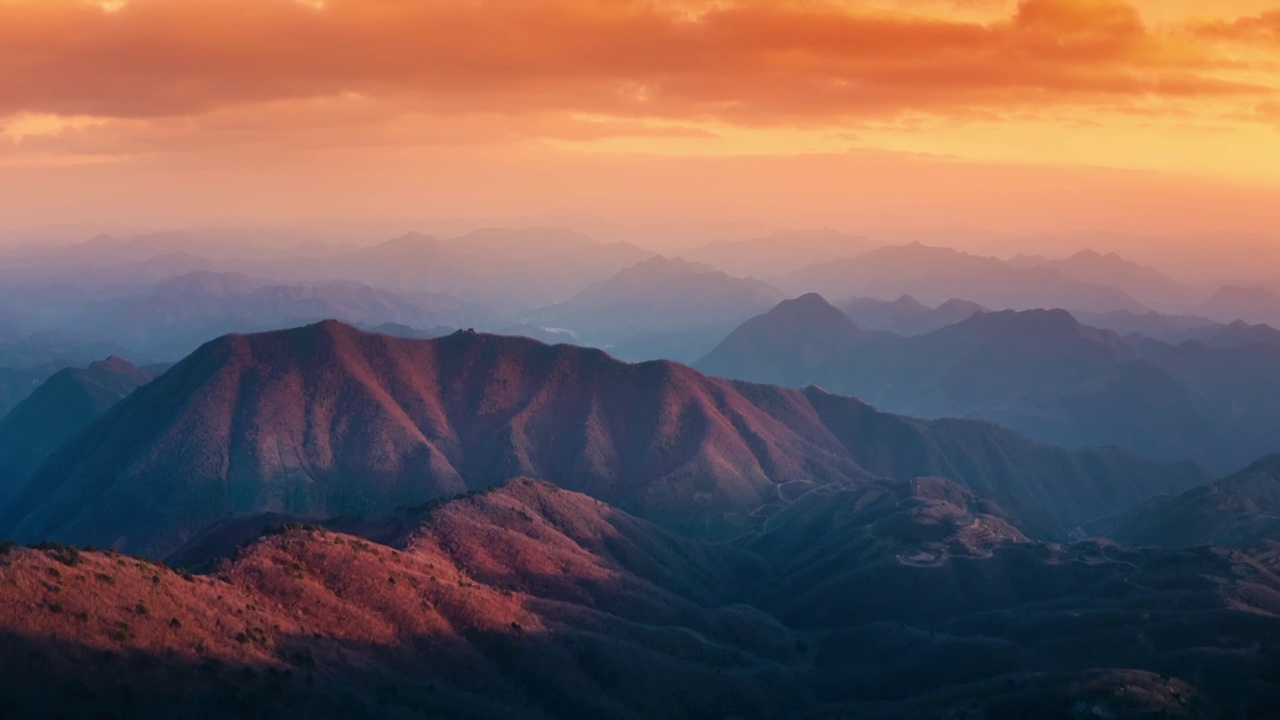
<point>1017,116</point>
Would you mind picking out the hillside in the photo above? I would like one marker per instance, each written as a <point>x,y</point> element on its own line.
<point>1039,372</point>
<point>325,420</point>
<point>1238,511</point>
<point>62,406</point>
<point>531,601</point>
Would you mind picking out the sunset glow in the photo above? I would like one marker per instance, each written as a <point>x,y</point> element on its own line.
<point>141,90</point>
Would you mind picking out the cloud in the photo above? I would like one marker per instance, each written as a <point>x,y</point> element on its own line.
<point>1263,28</point>
<point>762,62</point>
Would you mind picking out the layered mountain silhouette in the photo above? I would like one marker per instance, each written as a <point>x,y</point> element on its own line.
<point>781,252</point>
<point>509,269</point>
<point>1255,304</point>
<point>907,600</point>
<point>326,420</point>
<point>174,317</point>
<point>1233,374</point>
<point>934,275</point>
<point>661,303</point>
<point>908,316</point>
<point>1239,511</point>
<point>62,406</point>
<point>1039,372</point>
<point>1143,282</point>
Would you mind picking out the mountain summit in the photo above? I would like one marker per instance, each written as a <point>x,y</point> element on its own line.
<point>325,420</point>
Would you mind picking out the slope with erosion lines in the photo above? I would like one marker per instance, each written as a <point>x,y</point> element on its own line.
<point>326,420</point>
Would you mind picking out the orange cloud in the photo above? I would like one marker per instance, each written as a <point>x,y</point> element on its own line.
<point>1256,28</point>
<point>762,62</point>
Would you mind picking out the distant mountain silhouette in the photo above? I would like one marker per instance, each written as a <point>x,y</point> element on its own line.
<point>1157,326</point>
<point>908,316</point>
<point>1142,282</point>
<point>325,420</point>
<point>174,317</point>
<point>1239,511</point>
<point>1038,372</point>
<point>934,275</point>
<point>1233,373</point>
<point>62,406</point>
<point>657,299</point>
<point>781,252</point>
<point>504,268</point>
<point>1253,305</point>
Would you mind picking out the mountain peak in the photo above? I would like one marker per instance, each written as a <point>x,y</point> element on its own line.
<point>909,302</point>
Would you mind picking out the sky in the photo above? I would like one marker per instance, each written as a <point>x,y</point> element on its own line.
<point>1157,117</point>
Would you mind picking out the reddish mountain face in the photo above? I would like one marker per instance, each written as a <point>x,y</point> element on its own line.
<point>895,600</point>
<point>529,602</point>
<point>326,421</point>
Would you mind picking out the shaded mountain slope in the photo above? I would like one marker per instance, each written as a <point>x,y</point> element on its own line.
<point>1039,372</point>
<point>325,421</point>
<point>62,406</point>
<point>1239,511</point>
<point>1236,382</point>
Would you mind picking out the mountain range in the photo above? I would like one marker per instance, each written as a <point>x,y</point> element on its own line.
<point>780,252</point>
<point>1143,282</point>
<point>656,308</point>
<point>1038,372</point>
<point>908,316</point>
<point>935,275</point>
<point>326,420</point>
<point>172,318</point>
<point>1013,491</point>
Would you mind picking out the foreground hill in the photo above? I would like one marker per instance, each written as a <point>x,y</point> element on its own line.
<point>1239,511</point>
<point>1039,372</point>
<point>62,406</point>
<point>530,601</point>
<point>325,420</point>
